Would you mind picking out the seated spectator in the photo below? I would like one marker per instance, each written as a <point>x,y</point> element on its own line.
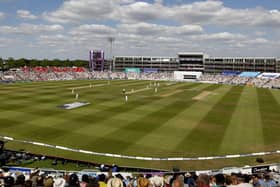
<point>28,183</point>
<point>220,180</point>
<point>20,181</point>
<point>73,181</point>
<point>212,181</point>
<point>256,181</point>
<point>189,180</point>
<point>101,180</point>
<point>268,181</point>
<point>39,181</point>
<point>156,181</point>
<point>203,181</point>
<point>85,180</point>
<point>48,182</point>
<point>9,181</point>
<point>115,182</point>
<point>143,182</point>
<point>93,182</point>
<point>59,182</point>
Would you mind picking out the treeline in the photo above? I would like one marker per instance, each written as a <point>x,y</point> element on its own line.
<point>16,63</point>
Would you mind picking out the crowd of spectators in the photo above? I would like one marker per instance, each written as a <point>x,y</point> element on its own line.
<point>60,73</point>
<point>39,178</point>
<point>238,80</point>
<point>78,73</point>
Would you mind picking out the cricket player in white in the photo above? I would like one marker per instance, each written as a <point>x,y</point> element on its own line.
<point>126,98</point>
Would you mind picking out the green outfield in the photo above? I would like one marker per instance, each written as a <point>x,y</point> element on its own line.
<point>180,120</point>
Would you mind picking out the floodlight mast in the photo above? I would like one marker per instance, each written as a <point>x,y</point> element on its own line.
<point>111,40</point>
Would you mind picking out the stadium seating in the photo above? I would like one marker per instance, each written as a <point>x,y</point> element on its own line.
<point>265,80</point>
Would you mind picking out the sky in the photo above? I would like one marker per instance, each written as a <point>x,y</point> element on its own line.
<point>68,29</point>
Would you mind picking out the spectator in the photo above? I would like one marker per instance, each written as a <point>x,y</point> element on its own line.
<point>101,179</point>
<point>20,181</point>
<point>59,182</point>
<point>212,181</point>
<point>9,181</point>
<point>115,182</point>
<point>121,178</point>
<point>28,183</point>
<point>156,181</point>
<point>256,181</point>
<point>220,180</point>
<point>48,182</point>
<point>189,180</point>
<point>175,176</point>
<point>73,181</point>
<point>93,182</point>
<point>39,181</point>
<point>268,181</point>
<point>85,180</point>
<point>178,183</point>
<point>143,182</point>
<point>203,181</point>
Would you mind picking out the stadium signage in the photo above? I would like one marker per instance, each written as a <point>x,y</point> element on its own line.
<point>260,169</point>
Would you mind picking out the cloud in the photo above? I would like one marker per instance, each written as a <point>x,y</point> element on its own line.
<point>159,30</point>
<point>207,12</point>
<point>147,28</point>
<point>2,15</point>
<point>77,10</point>
<point>92,29</point>
<point>53,40</point>
<point>5,42</point>
<point>30,29</point>
<point>141,12</point>
<point>25,14</point>
<point>222,36</point>
<point>215,13</point>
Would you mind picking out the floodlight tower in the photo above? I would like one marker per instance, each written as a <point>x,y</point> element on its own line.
<point>111,40</point>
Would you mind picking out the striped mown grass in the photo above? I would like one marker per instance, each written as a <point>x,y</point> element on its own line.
<point>229,120</point>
